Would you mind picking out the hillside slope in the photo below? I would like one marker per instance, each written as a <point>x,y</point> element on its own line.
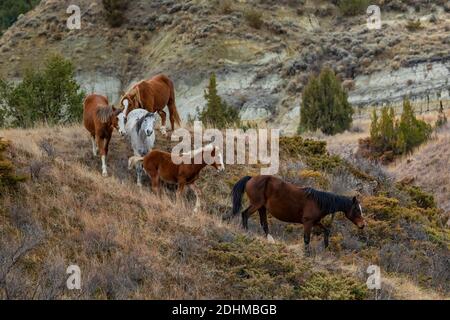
<point>429,167</point>
<point>261,70</point>
<point>130,244</point>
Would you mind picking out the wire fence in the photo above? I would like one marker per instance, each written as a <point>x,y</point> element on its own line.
<point>420,107</point>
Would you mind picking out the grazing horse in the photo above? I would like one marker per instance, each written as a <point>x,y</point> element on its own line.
<point>139,129</point>
<point>153,95</point>
<point>100,119</point>
<point>159,165</point>
<point>290,203</point>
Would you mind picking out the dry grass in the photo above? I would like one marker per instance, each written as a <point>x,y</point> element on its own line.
<point>345,144</point>
<point>226,6</point>
<point>128,243</point>
<point>133,245</point>
<point>429,167</point>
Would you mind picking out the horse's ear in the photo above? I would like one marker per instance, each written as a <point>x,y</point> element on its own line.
<point>116,111</point>
<point>355,201</point>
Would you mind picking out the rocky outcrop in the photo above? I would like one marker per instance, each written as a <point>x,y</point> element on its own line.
<point>418,81</point>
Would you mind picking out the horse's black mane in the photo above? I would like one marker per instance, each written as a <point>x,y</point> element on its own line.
<point>141,121</point>
<point>329,202</point>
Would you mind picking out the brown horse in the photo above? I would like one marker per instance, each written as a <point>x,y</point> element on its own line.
<point>159,165</point>
<point>290,203</point>
<point>153,95</point>
<point>100,119</point>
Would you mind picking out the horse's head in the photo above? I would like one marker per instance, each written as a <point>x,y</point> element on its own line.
<point>146,124</point>
<point>108,116</point>
<point>355,214</point>
<point>130,101</point>
<point>218,156</point>
<point>115,118</point>
<point>121,121</point>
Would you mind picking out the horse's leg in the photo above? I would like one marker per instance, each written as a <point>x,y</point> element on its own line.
<point>172,121</point>
<point>101,143</point>
<point>264,224</point>
<point>307,227</point>
<point>172,115</point>
<point>107,140</point>
<point>106,148</point>
<point>180,190</point>
<point>246,214</point>
<point>139,170</point>
<point>197,192</point>
<point>94,146</point>
<point>155,184</point>
<point>163,116</point>
<point>326,233</point>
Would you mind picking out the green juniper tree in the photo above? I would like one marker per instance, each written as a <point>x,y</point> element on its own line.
<point>325,105</point>
<point>389,135</point>
<point>374,129</point>
<point>50,95</point>
<point>216,111</point>
<point>413,130</point>
<point>387,128</point>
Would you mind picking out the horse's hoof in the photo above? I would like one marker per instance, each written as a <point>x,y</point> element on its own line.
<point>270,239</point>
<point>226,217</point>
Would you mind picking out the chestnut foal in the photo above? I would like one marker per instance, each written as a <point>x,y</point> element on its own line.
<point>159,165</point>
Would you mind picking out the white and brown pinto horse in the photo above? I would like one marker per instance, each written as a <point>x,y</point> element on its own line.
<point>153,95</point>
<point>100,119</point>
<point>160,166</point>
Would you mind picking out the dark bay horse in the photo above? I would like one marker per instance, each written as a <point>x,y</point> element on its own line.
<point>153,95</point>
<point>290,203</point>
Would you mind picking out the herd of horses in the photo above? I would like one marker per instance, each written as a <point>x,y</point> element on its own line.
<point>135,119</point>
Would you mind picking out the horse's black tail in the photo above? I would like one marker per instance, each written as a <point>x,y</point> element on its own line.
<point>237,193</point>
